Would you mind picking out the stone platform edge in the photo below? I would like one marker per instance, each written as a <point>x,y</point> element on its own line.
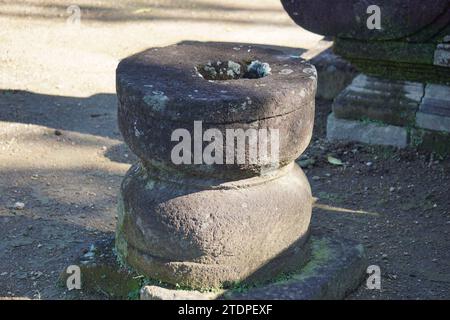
<point>336,268</point>
<point>376,133</point>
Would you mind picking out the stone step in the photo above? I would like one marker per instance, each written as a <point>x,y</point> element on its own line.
<point>434,111</point>
<point>366,132</point>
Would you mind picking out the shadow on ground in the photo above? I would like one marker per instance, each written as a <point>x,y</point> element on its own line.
<point>171,11</point>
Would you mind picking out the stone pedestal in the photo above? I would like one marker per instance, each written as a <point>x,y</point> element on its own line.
<point>211,224</point>
<point>402,97</point>
<point>335,268</point>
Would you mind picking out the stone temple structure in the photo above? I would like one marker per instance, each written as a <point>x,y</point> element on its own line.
<point>201,224</point>
<point>201,209</point>
<point>402,96</point>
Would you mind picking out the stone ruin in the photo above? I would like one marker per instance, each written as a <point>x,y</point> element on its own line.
<point>216,203</point>
<point>402,97</point>
<point>205,210</point>
<point>205,225</point>
<point>219,214</point>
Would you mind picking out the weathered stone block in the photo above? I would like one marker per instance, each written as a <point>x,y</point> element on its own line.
<point>206,225</point>
<point>159,293</point>
<point>433,122</point>
<point>203,233</point>
<point>161,90</point>
<point>434,111</point>
<point>442,55</point>
<point>366,132</point>
<point>336,268</point>
<point>389,101</point>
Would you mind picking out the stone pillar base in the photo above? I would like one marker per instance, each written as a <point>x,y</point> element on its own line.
<point>201,234</point>
<point>336,268</point>
<point>395,113</point>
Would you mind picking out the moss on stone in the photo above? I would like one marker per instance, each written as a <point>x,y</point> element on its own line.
<point>321,253</point>
<point>396,51</point>
<point>434,141</point>
<point>367,120</point>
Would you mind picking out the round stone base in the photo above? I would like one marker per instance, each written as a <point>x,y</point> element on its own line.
<point>337,267</point>
<point>207,234</point>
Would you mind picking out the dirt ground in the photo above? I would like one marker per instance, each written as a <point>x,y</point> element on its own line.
<point>62,156</point>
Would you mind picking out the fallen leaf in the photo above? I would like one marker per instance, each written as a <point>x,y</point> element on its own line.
<point>334,161</point>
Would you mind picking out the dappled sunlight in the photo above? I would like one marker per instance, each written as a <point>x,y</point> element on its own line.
<point>260,12</point>
<point>85,198</point>
<point>336,209</point>
<point>126,144</point>
<point>82,59</point>
<point>20,143</point>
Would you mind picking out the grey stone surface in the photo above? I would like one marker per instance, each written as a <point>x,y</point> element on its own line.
<point>413,50</point>
<point>433,122</point>
<point>196,233</point>
<point>208,225</point>
<point>436,100</point>
<point>403,46</point>
<point>334,74</point>
<point>160,90</point>
<point>159,293</point>
<point>165,83</point>
<point>442,55</point>
<point>366,132</point>
<point>337,267</point>
<point>389,101</point>
<point>434,111</point>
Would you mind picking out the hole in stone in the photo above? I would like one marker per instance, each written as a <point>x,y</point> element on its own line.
<point>231,70</point>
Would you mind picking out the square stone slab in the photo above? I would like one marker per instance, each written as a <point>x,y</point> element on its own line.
<point>434,111</point>
<point>366,132</point>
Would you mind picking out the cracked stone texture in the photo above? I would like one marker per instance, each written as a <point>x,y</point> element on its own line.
<point>158,293</point>
<point>442,55</point>
<point>434,111</point>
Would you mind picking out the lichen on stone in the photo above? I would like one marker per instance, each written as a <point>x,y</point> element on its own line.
<point>257,69</point>
<point>157,100</point>
<point>234,69</point>
<point>231,70</point>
